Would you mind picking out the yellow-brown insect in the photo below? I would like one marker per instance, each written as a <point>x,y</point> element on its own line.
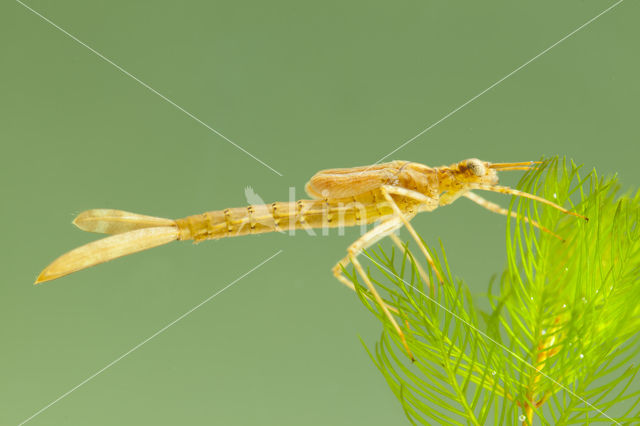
<point>391,193</point>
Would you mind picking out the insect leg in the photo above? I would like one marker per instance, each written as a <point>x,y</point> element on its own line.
<point>385,228</point>
<point>500,210</point>
<point>376,296</point>
<point>401,246</point>
<point>507,190</point>
<point>386,191</point>
<point>382,230</point>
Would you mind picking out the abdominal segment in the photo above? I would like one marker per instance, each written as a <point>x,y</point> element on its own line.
<point>284,216</point>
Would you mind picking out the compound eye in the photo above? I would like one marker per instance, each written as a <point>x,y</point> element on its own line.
<point>476,167</point>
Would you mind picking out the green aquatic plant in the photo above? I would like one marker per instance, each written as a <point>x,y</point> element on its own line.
<point>557,339</point>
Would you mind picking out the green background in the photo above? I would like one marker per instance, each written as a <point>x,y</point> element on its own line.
<point>303,86</point>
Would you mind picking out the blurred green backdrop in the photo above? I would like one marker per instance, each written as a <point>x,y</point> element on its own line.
<point>303,86</point>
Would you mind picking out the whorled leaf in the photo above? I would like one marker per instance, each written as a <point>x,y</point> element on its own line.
<point>559,340</point>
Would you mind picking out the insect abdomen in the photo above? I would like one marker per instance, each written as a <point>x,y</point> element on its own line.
<point>278,217</point>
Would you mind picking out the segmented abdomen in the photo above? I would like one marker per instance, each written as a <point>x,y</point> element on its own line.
<point>284,216</point>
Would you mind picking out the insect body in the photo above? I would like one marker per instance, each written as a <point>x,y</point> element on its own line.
<point>391,194</point>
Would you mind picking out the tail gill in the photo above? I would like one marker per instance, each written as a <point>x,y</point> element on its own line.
<point>131,233</point>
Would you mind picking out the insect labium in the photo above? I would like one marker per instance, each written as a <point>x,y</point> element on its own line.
<point>390,194</point>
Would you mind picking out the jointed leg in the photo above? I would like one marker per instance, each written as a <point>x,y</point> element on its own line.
<point>507,190</point>
<point>421,271</point>
<point>382,230</point>
<point>386,191</point>
<point>388,230</point>
<point>377,297</point>
<point>385,228</point>
<point>500,210</point>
